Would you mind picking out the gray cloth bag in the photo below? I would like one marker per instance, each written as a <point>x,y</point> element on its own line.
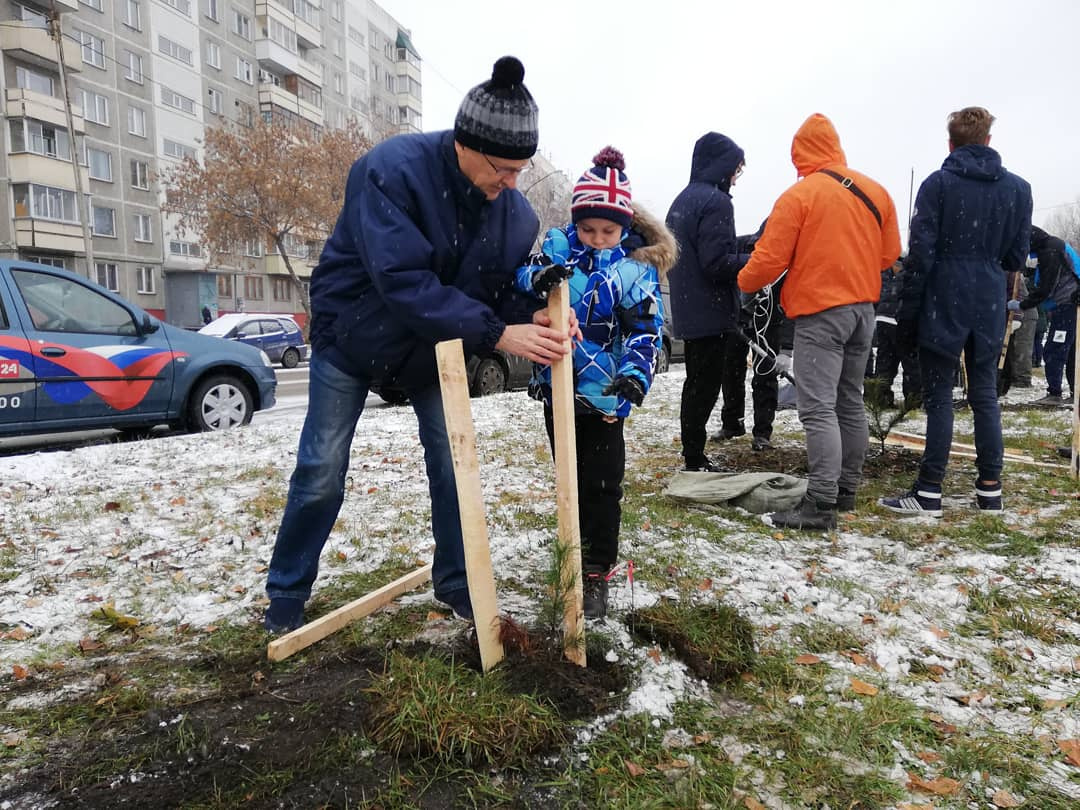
<point>757,492</point>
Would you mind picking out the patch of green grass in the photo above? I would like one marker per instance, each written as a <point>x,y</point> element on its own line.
<point>431,707</point>
<point>996,611</point>
<point>714,639</point>
<point>821,637</point>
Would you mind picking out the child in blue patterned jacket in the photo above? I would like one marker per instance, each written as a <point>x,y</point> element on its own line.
<point>614,255</point>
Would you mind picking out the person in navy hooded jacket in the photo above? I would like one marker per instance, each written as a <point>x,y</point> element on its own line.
<point>972,224</point>
<point>430,233</point>
<point>704,299</point>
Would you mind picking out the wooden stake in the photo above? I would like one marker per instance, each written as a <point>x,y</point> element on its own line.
<point>281,648</point>
<point>1074,463</point>
<point>958,450</point>
<point>459,426</point>
<point>566,483</point>
<point>1009,316</point>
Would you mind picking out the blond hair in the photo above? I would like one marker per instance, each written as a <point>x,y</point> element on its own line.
<point>969,125</point>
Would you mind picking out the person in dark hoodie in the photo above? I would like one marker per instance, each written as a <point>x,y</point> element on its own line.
<point>972,224</point>
<point>1055,282</point>
<point>430,234</point>
<point>889,359</point>
<point>703,296</point>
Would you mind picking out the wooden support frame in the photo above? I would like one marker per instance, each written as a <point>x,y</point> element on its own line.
<point>898,438</point>
<point>566,482</point>
<point>459,426</point>
<point>281,648</point>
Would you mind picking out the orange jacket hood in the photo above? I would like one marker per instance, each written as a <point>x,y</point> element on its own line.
<point>816,145</point>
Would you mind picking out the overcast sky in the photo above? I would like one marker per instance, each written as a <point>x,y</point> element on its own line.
<point>652,77</point>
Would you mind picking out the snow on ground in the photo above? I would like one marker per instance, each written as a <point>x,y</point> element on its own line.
<point>179,530</point>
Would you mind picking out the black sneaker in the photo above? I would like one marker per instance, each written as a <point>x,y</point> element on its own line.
<point>458,601</point>
<point>284,615</point>
<point>595,589</point>
<point>809,514</point>
<point>729,433</point>
<point>988,497</point>
<point>704,464</point>
<point>760,444</point>
<point>845,500</point>
<point>921,499</point>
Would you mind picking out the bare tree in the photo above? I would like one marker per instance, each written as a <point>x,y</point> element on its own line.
<point>548,191</point>
<point>1065,223</point>
<point>272,182</point>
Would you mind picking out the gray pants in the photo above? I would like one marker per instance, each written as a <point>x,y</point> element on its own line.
<point>829,357</point>
<point>1020,345</point>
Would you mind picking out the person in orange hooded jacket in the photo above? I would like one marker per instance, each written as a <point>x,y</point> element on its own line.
<point>833,232</point>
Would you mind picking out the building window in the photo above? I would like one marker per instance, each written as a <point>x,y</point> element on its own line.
<point>170,98</point>
<point>224,286</point>
<point>45,202</point>
<point>32,16</point>
<point>137,121</point>
<point>177,150</point>
<point>142,228</point>
<point>133,14</point>
<point>28,135</point>
<point>244,70</point>
<point>93,48</point>
<point>283,36</point>
<point>336,9</point>
<point>210,9</point>
<point>105,274</point>
<point>252,247</point>
<point>95,107</point>
<point>140,174</point>
<point>133,67</point>
<point>215,100</point>
<point>282,289</point>
<point>356,36</point>
<point>96,4</point>
<point>178,248</point>
<point>49,261</point>
<point>339,47</point>
<point>174,49</point>
<point>388,77</point>
<point>183,6</point>
<point>31,80</point>
<point>144,279</point>
<point>213,55</point>
<point>241,25</point>
<point>100,163</point>
<point>104,221</point>
<point>253,288</point>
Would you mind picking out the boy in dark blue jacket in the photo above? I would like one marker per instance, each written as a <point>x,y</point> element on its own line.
<point>972,224</point>
<point>430,233</point>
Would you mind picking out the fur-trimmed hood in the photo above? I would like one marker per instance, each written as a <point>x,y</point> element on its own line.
<point>660,248</point>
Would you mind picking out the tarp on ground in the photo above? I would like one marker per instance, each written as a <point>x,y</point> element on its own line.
<point>757,492</point>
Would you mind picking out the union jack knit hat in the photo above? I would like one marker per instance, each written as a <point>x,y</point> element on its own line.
<point>603,191</point>
<point>499,117</point>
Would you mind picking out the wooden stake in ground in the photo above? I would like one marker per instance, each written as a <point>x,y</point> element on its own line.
<point>1009,317</point>
<point>566,483</point>
<point>1074,464</point>
<point>459,427</point>
<point>281,648</point>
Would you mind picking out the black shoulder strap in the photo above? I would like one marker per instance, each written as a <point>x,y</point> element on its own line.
<point>849,184</point>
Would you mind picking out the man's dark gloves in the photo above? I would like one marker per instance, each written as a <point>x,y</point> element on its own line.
<point>628,388</point>
<point>907,336</point>
<point>544,281</point>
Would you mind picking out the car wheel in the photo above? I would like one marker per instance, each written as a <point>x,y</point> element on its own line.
<point>290,358</point>
<point>219,402</point>
<point>663,358</point>
<point>489,378</point>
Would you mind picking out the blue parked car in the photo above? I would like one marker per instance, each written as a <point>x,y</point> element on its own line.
<point>74,356</point>
<point>277,335</point>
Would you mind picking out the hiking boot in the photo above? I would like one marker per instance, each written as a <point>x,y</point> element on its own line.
<point>760,444</point>
<point>988,497</point>
<point>845,500</point>
<point>1050,399</point>
<point>1067,400</point>
<point>704,464</point>
<point>595,589</point>
<point>921,499</point>
<point>1065,452</point>
<point>458,601</point>
<point>729,433</point>
<point>809,514</point>
<point>284,615</point>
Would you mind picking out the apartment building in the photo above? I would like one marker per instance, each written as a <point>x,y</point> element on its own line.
<point>143,79</point>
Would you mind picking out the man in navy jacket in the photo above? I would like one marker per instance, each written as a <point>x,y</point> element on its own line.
<point>430,233</point>
<point>972,224</point>
<point>704,298</point>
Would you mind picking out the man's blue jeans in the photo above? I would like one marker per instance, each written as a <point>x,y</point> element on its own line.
<point>1060,341</point>
<point>317,487</point>
<point>939,376</point>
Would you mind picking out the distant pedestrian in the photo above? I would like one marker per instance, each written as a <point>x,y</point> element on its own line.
<point>833,232</point>
<point>972,224</point>
<point>206,316</point>
<point>616,254</point>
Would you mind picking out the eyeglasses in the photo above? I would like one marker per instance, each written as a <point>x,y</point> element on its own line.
<point>738,171</point>
<point>503,171</point>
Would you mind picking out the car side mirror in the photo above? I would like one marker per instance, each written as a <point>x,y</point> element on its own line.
<point>148,325</point>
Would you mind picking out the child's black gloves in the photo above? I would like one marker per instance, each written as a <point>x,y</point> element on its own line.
<point>544,281</point>
<point>628,388</point>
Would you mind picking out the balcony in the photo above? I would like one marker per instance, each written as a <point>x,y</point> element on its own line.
<point>29,104</point>
<point>275,57</point>
<point>26,167</point>
<point>271,95</point>
<point>275,266</point>
<point>46,235</point>
<point>30,43</point>
<point>306,32</point>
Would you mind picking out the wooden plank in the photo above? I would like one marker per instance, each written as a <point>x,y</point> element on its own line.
<point>1009,317</point>
<point>459,425</point>
<point>566,483</point>
<point>1074,462</point>
<point>919,443</point>
<point>281,648</point>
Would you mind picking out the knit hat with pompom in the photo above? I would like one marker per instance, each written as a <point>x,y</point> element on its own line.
<point>603,191</point>
<point>499,116</point>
